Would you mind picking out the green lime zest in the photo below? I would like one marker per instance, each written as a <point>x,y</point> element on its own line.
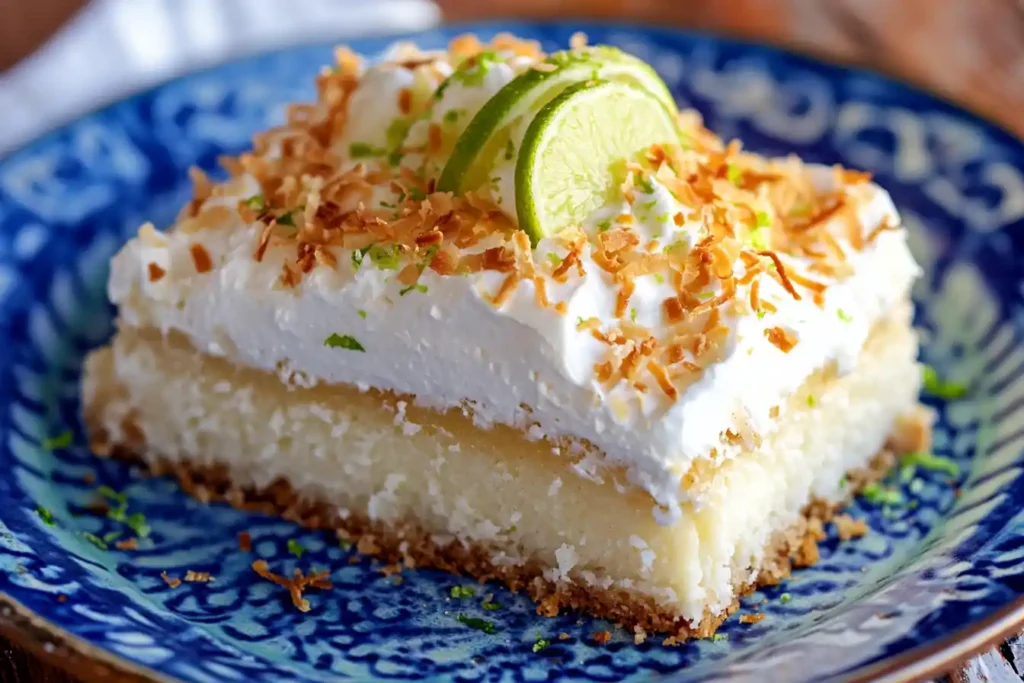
<point>295,548</point>
<point>343,341</point>
<point>62,440</point>
<point>476,623</point>
<point>877,494</point>
<point>462,592</point>
<point>46,516</point>
<point>931,462</point>
<point>939,388</point>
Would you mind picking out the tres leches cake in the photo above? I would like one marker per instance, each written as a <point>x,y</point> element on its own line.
<point>512,315</point>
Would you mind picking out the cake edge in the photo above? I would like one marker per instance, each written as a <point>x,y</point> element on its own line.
<point>404,545</point>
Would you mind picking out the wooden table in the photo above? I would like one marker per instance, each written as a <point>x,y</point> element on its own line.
<point>971,51</point>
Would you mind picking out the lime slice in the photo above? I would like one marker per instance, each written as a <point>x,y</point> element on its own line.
<point>572,159</point>
<point>488,134</point>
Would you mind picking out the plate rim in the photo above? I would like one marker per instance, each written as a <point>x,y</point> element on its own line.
<point>53,645</point>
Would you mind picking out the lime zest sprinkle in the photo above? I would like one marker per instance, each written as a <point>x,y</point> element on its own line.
<point>343,341</point>
<point>659,278</point>
<point>540,644</point>
<point>364,150</point>
<point>931,462</point>
<point>286,219</point>
<point>452,115</point>
<point>137,523</point>
<point>632,314</point>
<point>357,257</point>
<point>719,637</point>
<point>478,624</point>
<point>842,482</point>
<point>760,313</point>
<point>785,597</point>
<point>604,225</point>
<point>733,174</point>
<point>385,258</point>
<point>877,494</point>
<point>462,591</point>
<point>295,548</point>
<point>46,516</point>
<point>555,259</point>
<point>362,313</point>
<point>939,388</point>
<point>257,203</point>
<point>95,540</point>
<point>763,219</point>
<point>111,494</point>
<point>111,536</point>
<point>418,287</point>
<point>62,440</point>
<point>490,606</point>
<point>811,401</point>
<point>645,185</point>
<point>844,316</point>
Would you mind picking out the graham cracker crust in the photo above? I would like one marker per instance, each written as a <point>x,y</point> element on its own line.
<point>405,545</point>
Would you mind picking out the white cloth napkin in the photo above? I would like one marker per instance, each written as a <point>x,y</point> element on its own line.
<point>114,47</point>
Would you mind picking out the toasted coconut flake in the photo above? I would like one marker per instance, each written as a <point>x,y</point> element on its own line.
<point>155,272</point>
<point>661,377</point>
<point>543,66</point>
<point>578,40</point>
<point>883,226</point>
<point>296,584</point>
<point>201,258</point>
<point>198,577</point>
<point>245,541</point>
<point>170,581</point>
<point>780,338</point>
<point>780,273</point>
<point>405,100</point>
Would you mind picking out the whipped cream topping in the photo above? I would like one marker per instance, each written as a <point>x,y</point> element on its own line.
<point>444,341</point>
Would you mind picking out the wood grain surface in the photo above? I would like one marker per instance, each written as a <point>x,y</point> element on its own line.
<point>971,51</point>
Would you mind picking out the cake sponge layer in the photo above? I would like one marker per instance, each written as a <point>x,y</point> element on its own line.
<point>515,504</point>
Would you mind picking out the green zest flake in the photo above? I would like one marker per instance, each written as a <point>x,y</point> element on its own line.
<point>647,206</point>
<point>604,226</point>
<point>62,440</point>
<point>733,174</point>
<point>878,495</point>
<point>257,203</point>
<point>46,516</point>
<point>907,472</point>
<point>719,637</point>
<point>428,256</point>
<point>932,462</point>
<point>555,259</point>
<point>510,150</point>
<point>844,316</point>
<point>632,314</point>
<point>362,150</point>
<point>490,606</point>
<point>478,624</point>
<point>661,218</point>
<point>362,314</point>
<point>939,388</point>
<point>645,185</point>
<point>842,482</point>
<point>659,278</point>
<point>95,540</point>
<point>452,115</point>
<point>286,219</point>
<point>760,314</point>
<point>137,523</point>
<point>418,287</point>
<point>811,401</point>
<point>706,296</point>
<point>343,341</point>
<point>295,548</point>
<point>111,494</point>
<point>758,240</point>
<point>540,644</point>
<point>785,597</point>
<point>763,219</point>
<point>357,257</point>
<point>462,591</point>
<point>579,321</point>
<point>416,194</point>
<point>385,258</point>
<point>111,536</point>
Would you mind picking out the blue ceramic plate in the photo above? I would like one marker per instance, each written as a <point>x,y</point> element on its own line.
<point>935,579</point>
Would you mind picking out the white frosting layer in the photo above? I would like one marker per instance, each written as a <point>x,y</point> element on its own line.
<point>445,343</point>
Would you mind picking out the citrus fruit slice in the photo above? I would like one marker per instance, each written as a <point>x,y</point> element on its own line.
<point>572,159</point>
<point>488,135</point>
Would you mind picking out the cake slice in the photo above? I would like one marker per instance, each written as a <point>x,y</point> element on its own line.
<point>637,394</point>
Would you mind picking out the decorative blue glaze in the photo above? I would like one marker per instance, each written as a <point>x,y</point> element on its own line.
<point>70,199</point>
